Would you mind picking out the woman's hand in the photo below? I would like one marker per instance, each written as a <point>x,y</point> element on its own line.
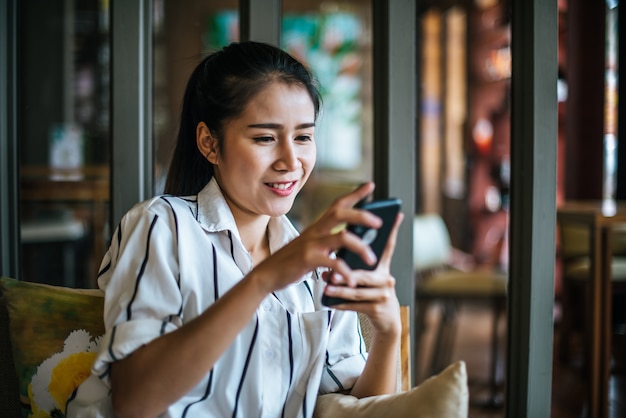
<point>316,245</point>
<point>374,293</point>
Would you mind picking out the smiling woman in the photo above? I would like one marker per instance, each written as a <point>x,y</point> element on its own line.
<point>271,143</point>
<point>209,289</point>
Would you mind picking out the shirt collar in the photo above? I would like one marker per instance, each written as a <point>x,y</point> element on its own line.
<point>214,215</point>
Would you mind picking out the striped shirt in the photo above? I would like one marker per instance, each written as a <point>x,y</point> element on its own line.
<point>169,260</point>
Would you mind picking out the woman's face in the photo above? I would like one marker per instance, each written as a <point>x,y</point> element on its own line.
<point>268,152</point>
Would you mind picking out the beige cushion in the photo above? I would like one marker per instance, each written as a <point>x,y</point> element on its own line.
<point>444,395</point>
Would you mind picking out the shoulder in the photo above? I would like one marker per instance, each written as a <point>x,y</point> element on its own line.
<point>168,208</point>
<point>165,204</point>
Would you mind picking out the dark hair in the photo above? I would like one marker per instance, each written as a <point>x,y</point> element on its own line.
<point>218,90</point>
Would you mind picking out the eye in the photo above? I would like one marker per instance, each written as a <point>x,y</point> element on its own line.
<point>263,139</point>
<point>304,138</point>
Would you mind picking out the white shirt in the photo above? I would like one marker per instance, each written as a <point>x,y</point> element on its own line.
<point>169,260</point>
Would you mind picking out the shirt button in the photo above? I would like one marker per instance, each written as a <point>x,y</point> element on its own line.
<point>270,354</point>
<point>267,306</point>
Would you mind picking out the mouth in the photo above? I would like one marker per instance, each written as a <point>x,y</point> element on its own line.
<point>283,188</point>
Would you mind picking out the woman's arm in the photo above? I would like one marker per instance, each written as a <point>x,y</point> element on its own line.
<point>380,374</point>
<point>156,375</point>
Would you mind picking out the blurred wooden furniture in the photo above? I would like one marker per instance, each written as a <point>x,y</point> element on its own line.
<point>599,218</point>
<point>89,185</point>
<point>439,279</point>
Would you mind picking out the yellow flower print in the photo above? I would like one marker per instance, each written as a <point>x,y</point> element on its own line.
<point>59,375</point>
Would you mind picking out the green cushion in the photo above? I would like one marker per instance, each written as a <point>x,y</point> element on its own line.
<point>51,328</point>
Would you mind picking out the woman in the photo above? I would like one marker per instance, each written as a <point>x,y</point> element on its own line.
<point>212,299</point>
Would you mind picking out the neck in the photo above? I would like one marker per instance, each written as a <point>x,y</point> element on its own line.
<point>254,236</point>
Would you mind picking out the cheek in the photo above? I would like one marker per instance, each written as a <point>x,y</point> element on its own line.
<point>309,157</point>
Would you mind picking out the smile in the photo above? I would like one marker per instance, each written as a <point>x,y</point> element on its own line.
<point>282,186</point>
<point>282,189</point>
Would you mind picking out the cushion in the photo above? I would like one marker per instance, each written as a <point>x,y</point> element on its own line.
<point>443,395</point>
<point>54,333</point>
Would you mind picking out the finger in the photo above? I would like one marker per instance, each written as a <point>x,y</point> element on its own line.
<point>342,212</point>
<point>385,258</point>
<point>361,294</point>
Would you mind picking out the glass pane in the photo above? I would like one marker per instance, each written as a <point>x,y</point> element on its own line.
<point>334,38</point>
<point>183,32</point>
<point>63,77</point>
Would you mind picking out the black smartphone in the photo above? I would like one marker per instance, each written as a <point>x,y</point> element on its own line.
<point>387,210</point>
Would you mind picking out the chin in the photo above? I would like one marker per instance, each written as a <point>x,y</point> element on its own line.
<point>279,210</point>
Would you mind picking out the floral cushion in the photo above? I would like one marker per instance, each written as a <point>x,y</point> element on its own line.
<point>54,333</point>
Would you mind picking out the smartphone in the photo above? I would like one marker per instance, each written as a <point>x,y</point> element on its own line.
<point>377,239</point>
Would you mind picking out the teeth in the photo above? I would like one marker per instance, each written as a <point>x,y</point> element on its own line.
<point>281,186</point>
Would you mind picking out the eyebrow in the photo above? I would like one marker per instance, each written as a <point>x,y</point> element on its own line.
<point>279,126</point>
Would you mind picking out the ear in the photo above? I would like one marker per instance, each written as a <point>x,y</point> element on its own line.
<point>207,144</point>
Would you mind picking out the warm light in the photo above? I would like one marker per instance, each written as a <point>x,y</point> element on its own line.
<point>483,134</point>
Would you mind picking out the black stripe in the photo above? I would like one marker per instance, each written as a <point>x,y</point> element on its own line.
<point>71,398</point>
<point>119,235</point>
<point>195,201</point>
<point>111,342</point>
<point>216,291</point>
<point>141,270</point>
<point>207,392</point>
<point>245,367</point>
<point>291,366</point>
<point>174,215</point>
<point>232,247</point>
<point>361,341</point>
<point>163,326</point>
<point>330,373</point>
<point>304,414</point>
<point>105,269</point>
<point>177,232</point>
<point>306,283</point>
<point>106,372</point>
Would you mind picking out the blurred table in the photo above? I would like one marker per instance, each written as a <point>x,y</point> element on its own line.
<point>600,217</point>
<point>87,185</point>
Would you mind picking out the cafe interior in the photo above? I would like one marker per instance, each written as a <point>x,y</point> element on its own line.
<point>69,169</point>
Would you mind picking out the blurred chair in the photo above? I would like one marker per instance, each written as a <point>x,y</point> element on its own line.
<point>441,280</point>
<point>574,244</point>
<point>63,230</point>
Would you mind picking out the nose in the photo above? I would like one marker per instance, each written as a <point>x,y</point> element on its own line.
<point>287,158</point>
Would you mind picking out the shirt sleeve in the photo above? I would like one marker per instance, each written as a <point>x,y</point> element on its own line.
<point>346,353</point>
<point>140,278</point>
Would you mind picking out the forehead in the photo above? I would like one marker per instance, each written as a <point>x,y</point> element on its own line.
<point>278,96</point>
